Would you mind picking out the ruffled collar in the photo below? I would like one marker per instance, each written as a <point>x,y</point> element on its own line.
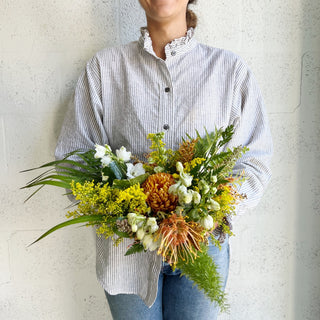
<point>173,49</point>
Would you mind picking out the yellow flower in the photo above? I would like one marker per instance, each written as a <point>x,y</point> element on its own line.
<point>188,166</point>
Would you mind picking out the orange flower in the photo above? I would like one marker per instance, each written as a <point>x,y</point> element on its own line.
<point>179,239</point>
<point>156,188</point>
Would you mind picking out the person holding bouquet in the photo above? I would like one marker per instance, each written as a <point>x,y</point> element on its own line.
<point>166,81</point>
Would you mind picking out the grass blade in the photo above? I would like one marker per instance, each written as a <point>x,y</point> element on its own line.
<point>82,219</point>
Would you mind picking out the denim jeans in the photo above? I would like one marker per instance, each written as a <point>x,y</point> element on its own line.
<point>177,297</point>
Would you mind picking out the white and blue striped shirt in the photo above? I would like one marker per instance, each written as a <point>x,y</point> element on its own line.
<point>127,92</point>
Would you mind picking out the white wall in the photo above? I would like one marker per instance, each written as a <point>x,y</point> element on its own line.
<point>275,267</point>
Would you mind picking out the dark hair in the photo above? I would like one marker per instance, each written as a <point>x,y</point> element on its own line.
<point>191,16</point>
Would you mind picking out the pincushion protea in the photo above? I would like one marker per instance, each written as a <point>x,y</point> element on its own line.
<point>179,239</point>
<point>156,188</point>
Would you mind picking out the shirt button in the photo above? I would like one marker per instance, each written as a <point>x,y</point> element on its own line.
<point>167,89</point>
<point>173,53</point>
<point>166,127</point>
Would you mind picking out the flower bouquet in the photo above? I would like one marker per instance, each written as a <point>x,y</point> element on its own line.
<point>171,202</point>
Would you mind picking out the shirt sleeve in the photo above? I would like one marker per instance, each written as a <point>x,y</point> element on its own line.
<point>251,130</point>
<point>83,123</point>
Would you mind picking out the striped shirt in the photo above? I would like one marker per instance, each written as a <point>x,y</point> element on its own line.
<point>127,92</point>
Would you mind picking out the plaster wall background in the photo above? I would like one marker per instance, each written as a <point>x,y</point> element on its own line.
<point>276,252</point>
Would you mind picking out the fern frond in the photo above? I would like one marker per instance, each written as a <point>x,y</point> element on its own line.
<point>203,271</point>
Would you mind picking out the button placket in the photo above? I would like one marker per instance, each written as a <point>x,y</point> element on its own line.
<point>166,102</point>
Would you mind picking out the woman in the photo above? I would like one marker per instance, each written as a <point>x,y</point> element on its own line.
<point>165,81</point>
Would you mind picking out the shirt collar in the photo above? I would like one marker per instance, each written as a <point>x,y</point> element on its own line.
<point>175,48</point>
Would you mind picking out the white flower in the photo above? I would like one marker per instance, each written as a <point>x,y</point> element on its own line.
<point>207,222</point>
<point>187,197</point>
<point>173,189</point>
<point>186,179</point>
<point>213,179</point>
<point>100,151</point>
<point>213,205</point>
<point>203,186</point>
<point>136,221</point>
<point>196,197</point>
<point>123,154</point>
<point>152,224</point>
<point>213,189</point>
<point>140,234</point>
<point>179,166</point>
<point>135,170</point>
<point>149,243</point>
<point>179,210</point>
<point>104,178</point>
<point>182,190</point>
<point>105,160</point>
<point>131,217</point>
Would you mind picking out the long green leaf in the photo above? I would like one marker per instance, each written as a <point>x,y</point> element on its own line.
<point>51,177</point>
<point>41,175</point>
<point>57,162</point>
<point>82,219</point>
<point>33,193</point>
<point>52,183</point>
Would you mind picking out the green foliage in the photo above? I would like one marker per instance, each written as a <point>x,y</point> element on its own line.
<point>203,272</point>
<point>94,219</point>
<point>124,184</point>
<point>160,155</point>
<point>217,163</point>
<point>135,248</point>
<point>63,172</point>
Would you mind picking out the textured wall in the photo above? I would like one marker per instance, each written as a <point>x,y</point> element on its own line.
<point>275,254</point>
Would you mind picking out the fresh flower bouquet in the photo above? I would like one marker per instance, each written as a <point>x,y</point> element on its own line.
<point>171,202</point>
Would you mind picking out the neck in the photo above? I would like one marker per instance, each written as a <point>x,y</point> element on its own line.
<point>163,33</point>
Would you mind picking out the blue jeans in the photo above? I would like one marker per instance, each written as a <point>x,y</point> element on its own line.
<point>177,298</point>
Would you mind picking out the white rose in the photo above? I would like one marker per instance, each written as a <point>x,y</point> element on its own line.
<point>123,154</point>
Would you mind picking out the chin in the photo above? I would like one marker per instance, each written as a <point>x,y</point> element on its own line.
<point>164,8</point>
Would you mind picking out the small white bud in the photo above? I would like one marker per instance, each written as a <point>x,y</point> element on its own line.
<point>207,222</point>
